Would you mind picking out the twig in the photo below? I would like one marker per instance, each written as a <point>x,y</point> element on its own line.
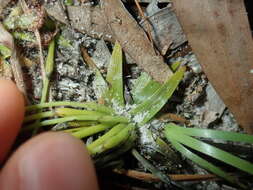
<point>88,59</point>
<point>173,117</point>
<point>175,177</point>
<point>37,35</point>
<point>93,66</point>
<point>145,18</point>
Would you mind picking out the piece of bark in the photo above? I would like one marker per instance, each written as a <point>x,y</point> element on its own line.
<point>214,106</point>
<point>166,30</point>
<point>134,40</point>
<point>85,19</point>
<point>3,4</point>
<point>220,36</point>
<point>90,20</point>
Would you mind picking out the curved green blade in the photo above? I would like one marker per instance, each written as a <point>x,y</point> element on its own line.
<point>200,161</point>
<point>209,150</point>
<point>153,104</point>
<point>88,105</point>
<point>115,76</point>
<point>143,88</point>
<point>214,134</point>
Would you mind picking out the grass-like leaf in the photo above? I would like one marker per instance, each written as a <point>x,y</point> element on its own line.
<point>115,141</point>
<point>144,87</point>
<point>214,134</point>
<point>200,161</point>
<point>208,150</point>
<point>63,112</point>
<point>49,67</point>
<point>88,105</point>
<point>88,131</point>
<point>115,130</point>
<point>154,103</point>
<point>115,76</point>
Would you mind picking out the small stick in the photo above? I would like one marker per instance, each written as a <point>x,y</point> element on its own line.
<point>88,59</point>
<point>145,18</point>
<point>93,66</point>
<point>38,37</point>
<point>173,117</point>
<point>175,177</point>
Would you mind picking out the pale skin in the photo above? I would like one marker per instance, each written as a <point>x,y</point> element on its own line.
<point>48,161</point>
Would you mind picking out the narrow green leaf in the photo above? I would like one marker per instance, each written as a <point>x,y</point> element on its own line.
<point>39,116</point>
<point>88,105</point>
<point>81,123</point>
<point>200,161</point>
<point>143,88</point>
<point>49,67</point>
<point>63,112</point>
<point>116,129</point>
<point>129,143</point>
<point>88,131</point>
<point>114,141</point>
<point>214,134</point>
<point>153,104</point>
<point>115,76</point>
<point>210,150</point>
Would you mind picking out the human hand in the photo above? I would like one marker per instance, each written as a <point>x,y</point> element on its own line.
<point>49,161</point>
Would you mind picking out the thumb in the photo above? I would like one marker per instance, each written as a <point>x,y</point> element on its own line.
<point>48,162</point>
<point>11,115</point>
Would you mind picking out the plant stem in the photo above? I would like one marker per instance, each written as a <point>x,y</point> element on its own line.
<point>91,130</point>
<point>88,105</point>
<point>119,138</point>
<point>116,129</point>
<point>39,116</point>
<point>104,119</point>
<point>81,123</point>
<point>63,112</point>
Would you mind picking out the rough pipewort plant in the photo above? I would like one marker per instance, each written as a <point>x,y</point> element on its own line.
<point>118,121</point>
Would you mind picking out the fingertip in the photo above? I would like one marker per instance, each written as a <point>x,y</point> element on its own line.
<point>11,115</point>
<point>51,161</point>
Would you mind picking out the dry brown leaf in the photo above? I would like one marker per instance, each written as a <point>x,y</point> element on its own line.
<point>220,36</point>
<point>134,40</point>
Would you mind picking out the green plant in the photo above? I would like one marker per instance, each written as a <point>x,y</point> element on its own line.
<point>183,138</point>
<point>117,119</point>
